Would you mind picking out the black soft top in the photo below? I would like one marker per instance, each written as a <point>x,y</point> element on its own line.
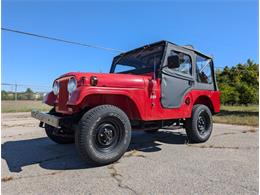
<point>164,42</point>
<point>189,47</point>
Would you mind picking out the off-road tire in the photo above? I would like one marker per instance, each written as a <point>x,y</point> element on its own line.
<point>194,128</point>
<point>50,131</point>
<point>92,126</point>
<point>56,138</point>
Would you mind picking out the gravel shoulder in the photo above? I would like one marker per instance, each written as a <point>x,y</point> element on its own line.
<point>160,163</point>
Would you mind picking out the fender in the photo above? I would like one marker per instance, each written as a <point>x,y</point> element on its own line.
<point>49,99</point>
<point>124,98</point>
<point>211,99</point>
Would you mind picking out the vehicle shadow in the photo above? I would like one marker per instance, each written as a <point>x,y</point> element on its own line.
<point>50,155</point>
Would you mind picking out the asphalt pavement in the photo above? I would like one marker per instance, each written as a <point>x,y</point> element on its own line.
<point>158,163</point>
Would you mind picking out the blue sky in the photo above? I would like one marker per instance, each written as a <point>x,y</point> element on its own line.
<point>226,29</point>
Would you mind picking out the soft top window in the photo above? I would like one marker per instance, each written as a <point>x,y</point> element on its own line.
<point>203,69</point>
<point>185,62</point>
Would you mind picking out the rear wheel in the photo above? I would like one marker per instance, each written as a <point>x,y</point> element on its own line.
<point>59,138</point>
<point>199,126</point>
<point>103,135</point>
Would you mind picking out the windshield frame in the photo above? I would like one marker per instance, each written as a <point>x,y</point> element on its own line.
<point>140,49</point>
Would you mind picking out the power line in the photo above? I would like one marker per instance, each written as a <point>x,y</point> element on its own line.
<point>23,85</point>
<point>60,40</point>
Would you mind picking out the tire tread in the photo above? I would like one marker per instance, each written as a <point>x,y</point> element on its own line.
<point>86,122</point>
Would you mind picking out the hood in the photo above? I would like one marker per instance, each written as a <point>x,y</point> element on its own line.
<point>111,80</point>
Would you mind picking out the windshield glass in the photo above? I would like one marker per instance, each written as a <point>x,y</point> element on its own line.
<point>140,61</point>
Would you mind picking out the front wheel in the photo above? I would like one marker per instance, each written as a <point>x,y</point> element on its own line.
<point>199,126</point>
<point>103,135</point>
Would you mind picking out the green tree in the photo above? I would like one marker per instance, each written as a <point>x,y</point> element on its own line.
<point>239,84</point>
<point>29,94</point>
<point>247,94</point>
<point>4,95</point>
<point>229,95</point>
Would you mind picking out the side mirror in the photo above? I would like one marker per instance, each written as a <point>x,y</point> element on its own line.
<point>173,61</point>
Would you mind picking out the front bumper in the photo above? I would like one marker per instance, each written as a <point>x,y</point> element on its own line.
<point>46,118</point>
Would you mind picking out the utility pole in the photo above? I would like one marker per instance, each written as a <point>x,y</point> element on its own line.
<point>15,90</point>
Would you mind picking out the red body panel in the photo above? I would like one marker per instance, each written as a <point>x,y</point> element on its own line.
<point>138,95</point>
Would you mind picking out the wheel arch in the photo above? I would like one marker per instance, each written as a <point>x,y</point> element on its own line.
<point>122,101</point>
<point>205,100</point>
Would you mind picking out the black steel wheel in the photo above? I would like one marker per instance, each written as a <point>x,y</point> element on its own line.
<point>203,122</point>
<point>199,126</point>
<point>103,135</point>
<point>108,134</point>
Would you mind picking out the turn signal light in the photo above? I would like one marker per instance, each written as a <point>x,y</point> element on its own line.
<point>93,80</point>
<point>187,101</point>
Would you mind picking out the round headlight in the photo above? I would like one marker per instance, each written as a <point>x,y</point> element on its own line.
<point>72,84</point>
<point>56,88</point>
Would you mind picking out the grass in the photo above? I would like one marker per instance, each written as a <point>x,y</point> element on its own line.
<point>238,115</point>
<point>250,108</point>
<point>23,106</point>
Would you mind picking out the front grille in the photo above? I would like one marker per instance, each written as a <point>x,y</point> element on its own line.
<point>63,95</point>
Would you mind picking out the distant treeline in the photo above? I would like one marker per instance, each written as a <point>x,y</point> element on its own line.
<point>239,84</point>
<point>27,95</point>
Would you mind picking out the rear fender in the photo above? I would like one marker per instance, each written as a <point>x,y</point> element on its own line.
<point>211,102</point>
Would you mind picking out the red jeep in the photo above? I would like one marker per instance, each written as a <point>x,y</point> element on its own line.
<point>148,88</point>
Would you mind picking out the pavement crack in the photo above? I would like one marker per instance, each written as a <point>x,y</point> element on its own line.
<point>212,146</point>
<point>250,131</point>
<point>7,178</point>
<point>10,178</point>
<point>222,147</point>
<point>134,153</point>
<point>232,133</point>
<point>119,178</point>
